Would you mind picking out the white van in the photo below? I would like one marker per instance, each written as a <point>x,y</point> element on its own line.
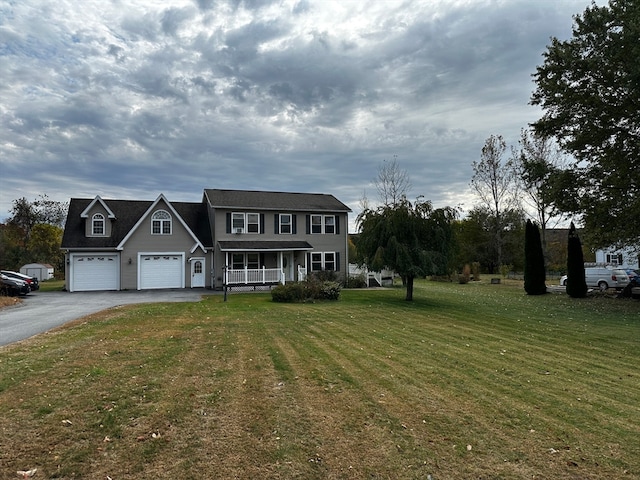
<point>603,278</point>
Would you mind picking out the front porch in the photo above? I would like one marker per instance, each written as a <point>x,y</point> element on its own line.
<point>260,276</point>
<point>262,265</point>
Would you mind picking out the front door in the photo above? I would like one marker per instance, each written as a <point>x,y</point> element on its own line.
<point>287,266</point>
<point>197,272</point>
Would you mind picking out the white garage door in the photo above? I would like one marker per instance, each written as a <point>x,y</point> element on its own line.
<point>94,272</point>
<point>161,271</point>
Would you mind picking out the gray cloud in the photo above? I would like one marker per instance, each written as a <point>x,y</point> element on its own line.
<point>133,99</point>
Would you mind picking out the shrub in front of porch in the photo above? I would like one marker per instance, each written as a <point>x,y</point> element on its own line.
<point>309,290</point>
<point>288,293</point>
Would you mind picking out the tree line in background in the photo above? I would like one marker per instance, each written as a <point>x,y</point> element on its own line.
<point>33,234</point>
<point>581,160</point>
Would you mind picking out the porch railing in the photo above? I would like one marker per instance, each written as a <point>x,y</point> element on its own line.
<point>302,273</point>
<point>246,276</point>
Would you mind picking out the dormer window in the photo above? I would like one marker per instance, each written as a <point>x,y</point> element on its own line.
<point>161,223</point>
<point>97,224</point>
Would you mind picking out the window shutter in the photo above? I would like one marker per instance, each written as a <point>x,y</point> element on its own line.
<point>276,223</point>
<point>228,222</point>
<point>308,224</point>
<point>337,260</point>
<point>294,227</point>
<point>337,224</point>
<point>262,223</point>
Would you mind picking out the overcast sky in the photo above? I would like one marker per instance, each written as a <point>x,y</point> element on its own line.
<point>129,99</point>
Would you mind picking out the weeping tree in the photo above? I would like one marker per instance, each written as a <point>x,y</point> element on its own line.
<point>413,239</point>
<point>576,282</point>
<point>534,271</point>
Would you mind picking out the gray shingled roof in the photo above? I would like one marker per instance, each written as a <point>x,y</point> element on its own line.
<point>241,245</point>
<point>249,199</point>
<point>127,213</point>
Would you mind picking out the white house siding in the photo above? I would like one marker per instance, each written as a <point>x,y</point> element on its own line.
<point>612,256</point>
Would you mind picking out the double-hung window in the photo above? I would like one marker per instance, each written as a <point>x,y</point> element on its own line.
<point>316,262</point>
<point>253,223</point>
<point>253,261</point>
<point>161,223</point>
<point>323,224</point>
<point>245,222</point>
<point>237,261</point>
<point>323,261</point>
<point>330,261</point>
<point>316,223</point>
<point>237,222</point>
<point>97,224</point>
<point>329,224</point>
<point>614,259</point>
<point>285,223</point>
<point>249,260</point>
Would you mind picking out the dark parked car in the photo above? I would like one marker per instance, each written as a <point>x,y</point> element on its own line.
<point>32,281</point>
<point>13,286</point>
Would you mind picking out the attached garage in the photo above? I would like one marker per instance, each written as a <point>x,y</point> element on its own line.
<point>94,272</point>
<point>161,270</point>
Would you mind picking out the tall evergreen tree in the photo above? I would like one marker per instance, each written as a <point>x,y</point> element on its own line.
<point>576,282</point>
<point>534,271</point>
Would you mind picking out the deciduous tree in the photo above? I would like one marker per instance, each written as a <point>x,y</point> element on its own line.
<point>494,182</point>
<point>538,162</point>
<point>392,182</point>
<point>589,90</point>
<point>42,218</point>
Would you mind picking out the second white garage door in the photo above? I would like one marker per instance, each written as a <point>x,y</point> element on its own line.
<point>161,271</point>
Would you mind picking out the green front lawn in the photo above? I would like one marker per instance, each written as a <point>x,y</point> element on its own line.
<point>468,381</point>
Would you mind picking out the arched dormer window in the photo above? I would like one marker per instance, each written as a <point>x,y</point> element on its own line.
<point>161,223</point>
<point>97,224</point>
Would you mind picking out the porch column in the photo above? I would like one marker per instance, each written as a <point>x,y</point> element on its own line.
<point>225,272</point>
<point>281,268</point>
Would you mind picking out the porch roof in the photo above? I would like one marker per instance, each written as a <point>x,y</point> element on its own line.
<point>263,246</point>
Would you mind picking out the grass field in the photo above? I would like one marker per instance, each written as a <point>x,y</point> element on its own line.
<point>472,381</point>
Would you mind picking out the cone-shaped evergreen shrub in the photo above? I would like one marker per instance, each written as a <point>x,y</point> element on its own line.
<point>576,283</point>
<point>534,271</point>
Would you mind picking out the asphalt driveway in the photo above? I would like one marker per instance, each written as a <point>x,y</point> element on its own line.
<point>42,311</point>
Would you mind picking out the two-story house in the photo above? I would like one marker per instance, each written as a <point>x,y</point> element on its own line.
<point>233,237</point>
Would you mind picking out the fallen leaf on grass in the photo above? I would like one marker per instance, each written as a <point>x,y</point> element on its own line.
<point>27,473</point>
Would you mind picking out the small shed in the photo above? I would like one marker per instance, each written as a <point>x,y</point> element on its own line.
<point>42,271</point>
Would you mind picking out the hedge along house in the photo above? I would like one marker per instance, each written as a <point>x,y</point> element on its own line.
<point>233,237</point>
<point>264,238</point>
